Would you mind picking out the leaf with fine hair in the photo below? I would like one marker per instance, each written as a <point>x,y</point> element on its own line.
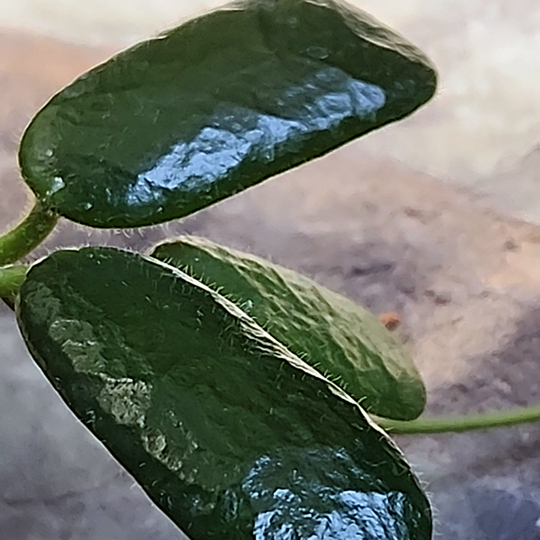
<point>231,434</point>
<point>219,104</point>
<point>328,331</point>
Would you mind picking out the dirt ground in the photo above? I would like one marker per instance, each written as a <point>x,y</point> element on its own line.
<point>464,280</point>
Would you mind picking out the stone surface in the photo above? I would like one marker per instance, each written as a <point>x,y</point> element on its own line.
<point>463,279</point>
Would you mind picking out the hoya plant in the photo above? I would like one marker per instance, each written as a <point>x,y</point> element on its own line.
<point>247,400</point>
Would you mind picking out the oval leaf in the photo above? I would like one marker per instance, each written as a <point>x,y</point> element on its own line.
<point>216,105</point>
<point>229,433</point>
<point>330,332</point>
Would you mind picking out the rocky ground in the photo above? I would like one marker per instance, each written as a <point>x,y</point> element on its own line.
<point>464,280</point>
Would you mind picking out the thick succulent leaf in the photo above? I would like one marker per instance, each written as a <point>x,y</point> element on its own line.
<point>216,105</point>
<point>330,332</point>
<point>231,434</point>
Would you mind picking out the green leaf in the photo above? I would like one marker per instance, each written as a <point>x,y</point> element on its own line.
<point>214,106</point>
<point>232,435</point>
<point>330,332</point>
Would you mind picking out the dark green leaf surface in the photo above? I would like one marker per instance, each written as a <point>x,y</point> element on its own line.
<point>216,105</point>
<point>232,435</point>
<point>330,332</point>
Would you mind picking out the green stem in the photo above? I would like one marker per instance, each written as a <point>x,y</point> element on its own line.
<point>21,240</point>
<point>11,278</point>
<point>459,424</point>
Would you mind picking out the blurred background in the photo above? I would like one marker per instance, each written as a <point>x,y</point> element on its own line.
<point>434,219</point>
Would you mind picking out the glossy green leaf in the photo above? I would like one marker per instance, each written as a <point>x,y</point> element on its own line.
<point>232,435</point>
<point>339,338</point>
<point>216,105</point>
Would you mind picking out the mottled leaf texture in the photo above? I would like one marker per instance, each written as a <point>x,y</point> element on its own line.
<point>330,332</point>
<point>231,435</point>
<point>216,105</point>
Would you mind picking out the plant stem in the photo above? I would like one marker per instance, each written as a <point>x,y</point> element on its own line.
<point>21,240</point>
<point>459,424</point>
<point>11,278</point>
